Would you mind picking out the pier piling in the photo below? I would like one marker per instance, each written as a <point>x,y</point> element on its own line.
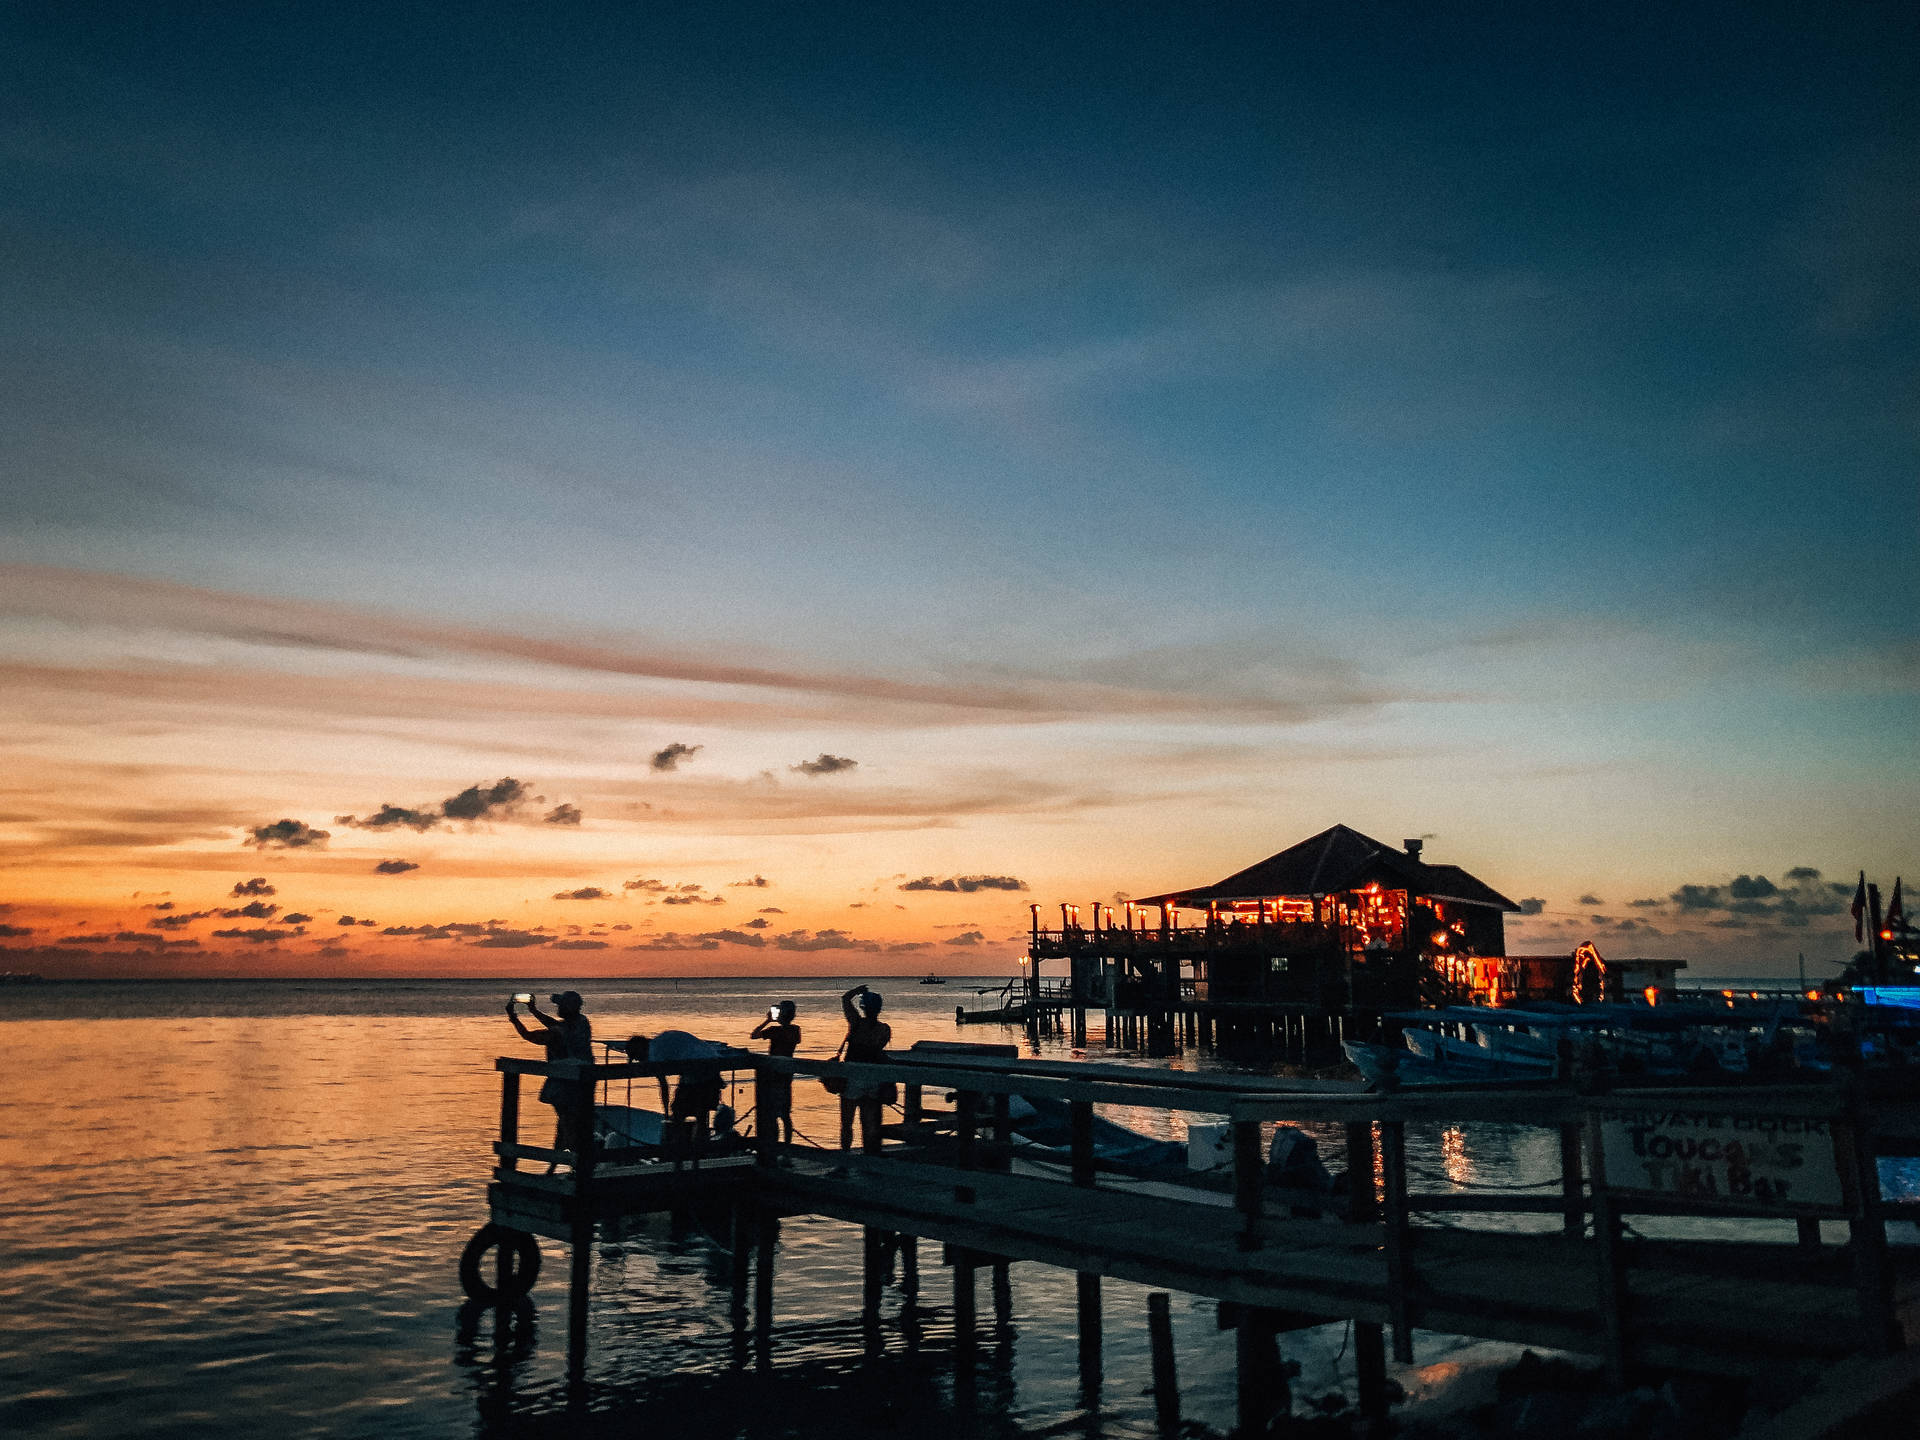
<point>1166,1377</point>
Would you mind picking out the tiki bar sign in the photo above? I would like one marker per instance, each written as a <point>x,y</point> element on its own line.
<point>1769,1161</point>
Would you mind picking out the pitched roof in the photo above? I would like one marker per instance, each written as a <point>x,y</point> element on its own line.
<point>1335,860</point>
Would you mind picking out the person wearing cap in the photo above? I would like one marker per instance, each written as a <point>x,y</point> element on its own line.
<point>568,1037</point>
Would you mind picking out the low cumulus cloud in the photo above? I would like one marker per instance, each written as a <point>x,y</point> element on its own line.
<point>670,758</point>
<point>825,764</point>
<point>259,935</point>
<point>646,885</point>
<point>1748,901</point>
<point>350,920</point>
<point>394,867</point>
<point>693,899</point>
<point>477,802</point>
<point>15,932</point>
<point>562,815</point>
<point>579,945</point>
<point>481,934</point>
<point>965,884</point>
<point>179,919</point>
<point>1532,905</point>
<point>585,892</point>
<point>823,940</point>
<point>296,918</point>
<point>752,882</point>
<point>256,886</point>
<point>966,937</point>
<point>769,910</point>
<point>759,922</point>
<point>285,835</point>
<point>733,937</point>
<point>253,910</point>
<point>1798,899</point>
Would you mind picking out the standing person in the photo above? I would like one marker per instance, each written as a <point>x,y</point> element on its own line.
<point>867,1039</point>
<point>776,1091</point>
<point>568,1036</point>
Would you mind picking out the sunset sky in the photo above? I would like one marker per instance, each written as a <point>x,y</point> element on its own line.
<point>781,488</point>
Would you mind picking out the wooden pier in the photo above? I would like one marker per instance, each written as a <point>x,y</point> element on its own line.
<point>952,1173</point>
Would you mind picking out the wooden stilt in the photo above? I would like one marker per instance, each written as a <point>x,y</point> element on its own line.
<point>741,1235</point>
<point>1002,1289</point>
<point>1370,1368</point>
<point>1166,1378</point>
<point>964,1337</point>
<point>1573,1209</point>
<point>765,1243</point>
<point>580,1278</point>
<point>1087,1293</point>
<point>1260,1382</point>
<point>910,1267</point>
<point>873,1255</point>
<point>1393,1167</point>
<point>1610,1262</point>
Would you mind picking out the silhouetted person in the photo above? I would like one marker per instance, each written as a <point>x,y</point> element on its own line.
<point>867,1039</point>
<point>567,1037</point>
<point>776,1091</point>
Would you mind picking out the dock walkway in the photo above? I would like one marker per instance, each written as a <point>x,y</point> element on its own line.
<point>950,1174</point>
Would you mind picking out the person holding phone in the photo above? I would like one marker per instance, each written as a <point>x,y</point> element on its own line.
<point>867,1039</point>
<point>567,1036</point>
<point>776,1091</point>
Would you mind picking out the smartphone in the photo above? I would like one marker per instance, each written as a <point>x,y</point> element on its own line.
<point>773,1012</point>
<point>523,998</point>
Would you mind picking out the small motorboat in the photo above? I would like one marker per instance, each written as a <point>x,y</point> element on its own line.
<point>931,979</point>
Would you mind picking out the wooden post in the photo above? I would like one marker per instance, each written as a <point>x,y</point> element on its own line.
<point>1393,1164</point>
<point>963,1317</point>
<point>912,1104</point>
<point>766,1129</point>
<point>1248,1177</point>
<point>1166,1379</point>
<point>1370,1368</point>
<point>910,1268</point>
<point>1002,1288</point>
<point>1260,1384</point>
<point>872,1279</point>
<point>1573,1210</point>
<point>1807,1230</point>
<point>509,1115</point>
<point>580,1279</point>
<point>1080,1118</point>
<point>742,1238</point>
<point>1609,1261</point>
<point>964,1108</point>
<point>1087,1293</point>
<point>1361,1205</point>
<point>1867,1234</point>
<point>766,1242</point>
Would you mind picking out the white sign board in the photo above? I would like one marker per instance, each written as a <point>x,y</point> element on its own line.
<point>1765,1161</point>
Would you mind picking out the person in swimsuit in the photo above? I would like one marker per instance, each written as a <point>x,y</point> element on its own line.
<point>776,1091</point>
<point>867,1039</point>
<point>567,1036</point>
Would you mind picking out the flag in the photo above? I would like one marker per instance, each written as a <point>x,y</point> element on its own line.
<point>1896,914</point>
<point>1860,909</point>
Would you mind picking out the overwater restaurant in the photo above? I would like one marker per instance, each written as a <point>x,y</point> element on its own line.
<point>1338,921</point>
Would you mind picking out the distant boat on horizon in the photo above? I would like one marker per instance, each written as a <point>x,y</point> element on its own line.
<point>932,979</point>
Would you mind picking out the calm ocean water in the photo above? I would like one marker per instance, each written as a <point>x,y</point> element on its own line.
<point>235,1209</point>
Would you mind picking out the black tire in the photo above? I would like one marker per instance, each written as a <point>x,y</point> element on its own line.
<point>524,1264</point>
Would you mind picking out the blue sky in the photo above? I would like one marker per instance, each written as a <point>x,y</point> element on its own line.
<point>1530,393</point>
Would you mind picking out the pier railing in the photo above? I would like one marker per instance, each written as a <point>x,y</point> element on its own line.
<point>1804,1153</point>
